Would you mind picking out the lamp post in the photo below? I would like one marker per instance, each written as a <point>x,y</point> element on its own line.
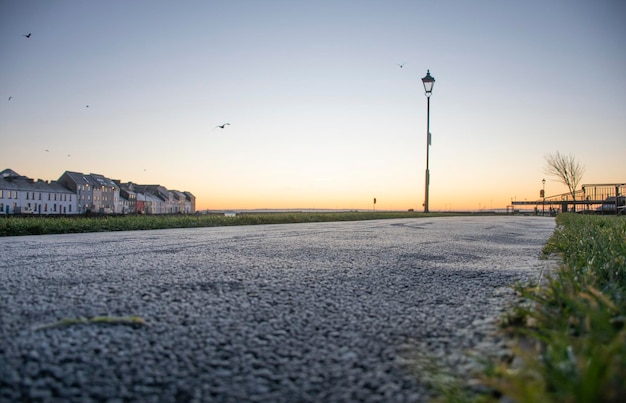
<point>543,193</point>
<point>428,82</point>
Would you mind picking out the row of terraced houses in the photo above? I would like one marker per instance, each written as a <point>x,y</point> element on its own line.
<point>78,193</point>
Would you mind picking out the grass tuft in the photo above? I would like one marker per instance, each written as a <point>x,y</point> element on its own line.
<point>571,338</point>
<point>107,320</point>
<point>568,329</point>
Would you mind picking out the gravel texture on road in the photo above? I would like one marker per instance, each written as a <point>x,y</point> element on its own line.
<point>324,312</point>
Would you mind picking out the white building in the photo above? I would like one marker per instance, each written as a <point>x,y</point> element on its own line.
<point>22,195</point>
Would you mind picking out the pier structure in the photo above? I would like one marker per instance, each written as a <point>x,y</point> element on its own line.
<point>605,198</point>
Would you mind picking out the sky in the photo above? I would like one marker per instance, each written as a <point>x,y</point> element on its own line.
<point>324,98</point>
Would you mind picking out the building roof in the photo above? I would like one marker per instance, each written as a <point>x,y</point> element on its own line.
<point>8,172</point>
<point>77,177</point>
<point>103,181</point>
<point>14,181</point>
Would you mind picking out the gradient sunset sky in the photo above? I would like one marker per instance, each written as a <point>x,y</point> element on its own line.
<point>321,114</point>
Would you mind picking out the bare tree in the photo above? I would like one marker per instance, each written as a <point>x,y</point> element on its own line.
<point>566,169</point>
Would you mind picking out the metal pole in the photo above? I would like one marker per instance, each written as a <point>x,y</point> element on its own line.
<point>543,210</point>
<point>427,180</point>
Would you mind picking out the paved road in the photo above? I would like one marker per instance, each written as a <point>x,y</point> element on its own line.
<point>298,312</point>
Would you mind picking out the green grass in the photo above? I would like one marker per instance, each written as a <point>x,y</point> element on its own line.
<point>570,328</point>
<point>39,225</point>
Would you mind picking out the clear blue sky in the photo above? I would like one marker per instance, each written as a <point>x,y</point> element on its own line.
<point>321,115</point>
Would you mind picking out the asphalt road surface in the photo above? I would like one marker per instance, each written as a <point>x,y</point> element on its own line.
<point>324,312</point>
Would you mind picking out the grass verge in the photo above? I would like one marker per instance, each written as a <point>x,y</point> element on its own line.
<point>569,329</point>
<point>39,225</point>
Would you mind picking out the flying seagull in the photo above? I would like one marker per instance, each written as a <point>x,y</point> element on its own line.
<point>28,35</point>
<point>222,126</point>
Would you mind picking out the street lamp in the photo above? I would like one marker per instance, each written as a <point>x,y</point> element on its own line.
<point>543,194</point>
<point>428,82</point>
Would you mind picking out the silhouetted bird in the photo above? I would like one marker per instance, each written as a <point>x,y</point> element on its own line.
<point>10,98</point>
<point>47,151</point>
<point>28,35</point>
<point>222,126</point>
<point>86,106</point>
<point>401,65</point>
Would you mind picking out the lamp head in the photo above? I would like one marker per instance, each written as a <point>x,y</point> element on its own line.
<point>428,82</point>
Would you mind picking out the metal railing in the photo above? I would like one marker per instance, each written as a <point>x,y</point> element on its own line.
<point>603,198</point>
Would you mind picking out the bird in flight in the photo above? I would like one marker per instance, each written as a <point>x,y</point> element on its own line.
<point>222,126</point>
<point>401,65</point>
<point>28,35</point>
<point>10,98</point>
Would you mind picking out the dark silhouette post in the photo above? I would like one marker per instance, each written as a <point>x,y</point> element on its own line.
<point>428,82</point>
<point>543,194</point>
